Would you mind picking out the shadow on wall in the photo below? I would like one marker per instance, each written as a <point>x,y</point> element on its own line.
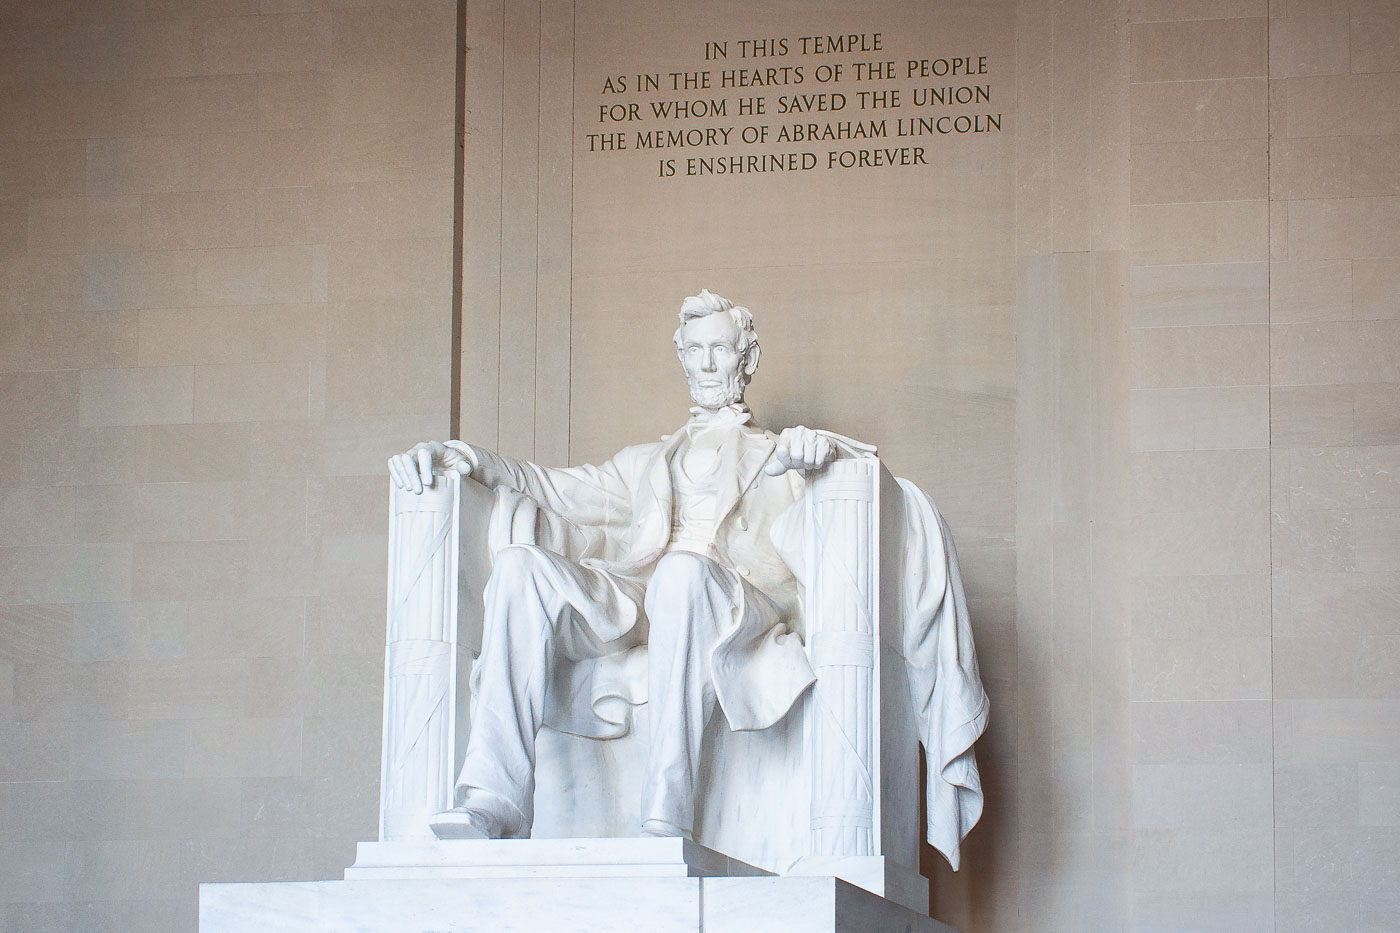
<point>965,899</point>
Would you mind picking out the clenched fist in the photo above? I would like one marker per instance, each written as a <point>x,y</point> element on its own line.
<point>800,449</point>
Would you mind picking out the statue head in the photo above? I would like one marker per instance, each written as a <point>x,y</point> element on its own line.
<point>718,347</point>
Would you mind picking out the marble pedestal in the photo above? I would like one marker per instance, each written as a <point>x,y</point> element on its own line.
<point>656,885</point>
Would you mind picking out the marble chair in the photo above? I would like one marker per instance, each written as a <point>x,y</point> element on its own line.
<point>833,789</point>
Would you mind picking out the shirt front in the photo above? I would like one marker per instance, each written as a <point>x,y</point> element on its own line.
<point>695,476</point>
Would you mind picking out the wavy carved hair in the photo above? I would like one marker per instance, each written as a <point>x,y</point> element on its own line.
<point>707,303</point>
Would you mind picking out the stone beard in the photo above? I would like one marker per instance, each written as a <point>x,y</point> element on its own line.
<point>726,390</point>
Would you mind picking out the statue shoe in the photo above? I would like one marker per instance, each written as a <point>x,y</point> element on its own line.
<point>663,829</point>
<point>465,823</point>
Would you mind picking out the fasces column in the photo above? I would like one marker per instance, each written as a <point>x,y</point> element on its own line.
<point>420,662</point>
<point>839,614</point>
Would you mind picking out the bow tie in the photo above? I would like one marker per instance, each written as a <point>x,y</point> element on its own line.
<point>728,416</point>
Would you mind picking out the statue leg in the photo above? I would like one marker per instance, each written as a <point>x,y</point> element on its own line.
<point>688,599</point>
<point>539,607</point>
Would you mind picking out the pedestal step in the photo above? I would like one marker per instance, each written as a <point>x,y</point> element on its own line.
<point>541,858</point>
<point>678,904</point>
<point>614,858</point>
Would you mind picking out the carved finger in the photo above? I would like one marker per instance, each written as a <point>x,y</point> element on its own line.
<point>780,462</point>
<point>425,467</point>
<point>398,466</point>
<point>794,439</point>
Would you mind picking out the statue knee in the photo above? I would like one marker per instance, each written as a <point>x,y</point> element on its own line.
<point>517,573</point>
<point>517,562</point>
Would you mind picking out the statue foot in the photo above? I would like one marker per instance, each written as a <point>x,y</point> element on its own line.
<point>663,829</point>
<point>465,823</point>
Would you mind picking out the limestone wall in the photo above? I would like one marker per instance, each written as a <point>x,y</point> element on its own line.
<point>226,240</point>
<point>1140,343</point>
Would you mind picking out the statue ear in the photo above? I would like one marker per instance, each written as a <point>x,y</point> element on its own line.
<point>751,359</point>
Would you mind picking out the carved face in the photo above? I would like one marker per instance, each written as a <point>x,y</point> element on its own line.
<point>716,370</point>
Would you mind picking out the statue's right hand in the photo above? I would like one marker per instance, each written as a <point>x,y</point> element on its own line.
<point>414,469</point>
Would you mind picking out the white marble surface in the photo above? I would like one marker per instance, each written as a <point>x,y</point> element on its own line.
<point>540,858</point>
<point>805,905</point>
<point>630,600</point>
<point>548,905</point>
<point>877,874</point>
<point>498,905</point>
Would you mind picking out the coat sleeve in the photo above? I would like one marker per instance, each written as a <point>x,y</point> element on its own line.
<point>587,495</point>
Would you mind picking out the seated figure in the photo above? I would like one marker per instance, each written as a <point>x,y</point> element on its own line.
<point>674,548</point>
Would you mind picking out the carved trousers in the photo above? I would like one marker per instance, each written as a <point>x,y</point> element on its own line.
<point>541,608</point>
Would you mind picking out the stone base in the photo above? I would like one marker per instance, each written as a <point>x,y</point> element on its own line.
<point>549,905</point>
<point>543,858</point>
<point>548,885</point>
<point>874,873</point>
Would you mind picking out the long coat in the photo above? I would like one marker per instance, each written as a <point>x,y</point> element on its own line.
<point>616,517</point>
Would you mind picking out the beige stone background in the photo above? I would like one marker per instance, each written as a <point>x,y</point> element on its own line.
<point>1142,347</point>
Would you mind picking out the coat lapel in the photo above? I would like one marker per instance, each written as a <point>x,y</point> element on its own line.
<point>651,507</point>
<point>741,461</point>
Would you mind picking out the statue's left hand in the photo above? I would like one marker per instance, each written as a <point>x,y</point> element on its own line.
<point>414,469</point>
<point>800,449</point>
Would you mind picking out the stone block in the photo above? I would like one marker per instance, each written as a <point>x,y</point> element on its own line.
<point>1336,105</point>
<point>1309,45</point>
<point>1335,731</point>
<point>126,749</point>
<point>1310,167</point>
<point>251,392</point>
<point>1200,293</point>
<point>272,42</point>
<point>1202,668</point>
<point>1375,289</point>
<point>1200,480</point>
<point>1197,49</point>
<point>1375,35</point>
<point>1181,357</point>
<point>142,164</point>
<point>1199,731</point>
<point>1199,418</point>
<point>1199,170</point>
<point>1214,796</point>
<point>265,275</point>
<point>1310,290</point>
<point>1219,231</point>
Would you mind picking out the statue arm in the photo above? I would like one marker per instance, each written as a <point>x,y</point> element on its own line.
<point>585,495</point>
